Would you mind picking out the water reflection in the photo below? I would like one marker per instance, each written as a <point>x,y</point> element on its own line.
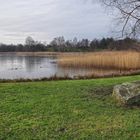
<point>13,66</point>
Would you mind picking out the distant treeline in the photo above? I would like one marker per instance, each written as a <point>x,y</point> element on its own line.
<point>59,44</point>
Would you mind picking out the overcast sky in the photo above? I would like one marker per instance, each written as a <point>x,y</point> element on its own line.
<point>46,19</point>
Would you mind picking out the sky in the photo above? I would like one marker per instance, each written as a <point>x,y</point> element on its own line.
<point>46,19</point>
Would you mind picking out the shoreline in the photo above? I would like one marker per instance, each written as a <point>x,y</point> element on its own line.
<point>55,78</point>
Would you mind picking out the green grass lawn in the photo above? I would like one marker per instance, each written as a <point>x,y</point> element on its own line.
<point>59,110</point>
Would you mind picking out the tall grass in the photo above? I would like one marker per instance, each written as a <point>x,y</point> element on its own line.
<point>124,60</point>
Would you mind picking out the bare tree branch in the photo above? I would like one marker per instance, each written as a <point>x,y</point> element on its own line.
<point>129,13</point>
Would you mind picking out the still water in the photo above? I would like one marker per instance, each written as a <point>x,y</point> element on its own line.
<point>13,66</point>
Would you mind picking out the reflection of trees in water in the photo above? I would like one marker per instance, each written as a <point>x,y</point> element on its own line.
<point>29,63</point>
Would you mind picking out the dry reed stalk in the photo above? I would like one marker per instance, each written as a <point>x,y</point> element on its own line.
<point>122,60</point>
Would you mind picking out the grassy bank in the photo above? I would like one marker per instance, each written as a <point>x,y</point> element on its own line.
<point>81,109</point>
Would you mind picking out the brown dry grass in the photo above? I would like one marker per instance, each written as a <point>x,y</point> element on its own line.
<point>124,60</point>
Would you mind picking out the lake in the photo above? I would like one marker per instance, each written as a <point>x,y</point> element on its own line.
<point>13,66</point>
<point>45,65</point>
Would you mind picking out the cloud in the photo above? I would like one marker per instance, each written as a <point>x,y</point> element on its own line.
<point>46,19</point>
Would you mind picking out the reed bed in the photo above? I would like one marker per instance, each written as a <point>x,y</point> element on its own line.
<point>116,60</point>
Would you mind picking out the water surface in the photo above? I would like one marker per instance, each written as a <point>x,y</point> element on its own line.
<point>13,66</point>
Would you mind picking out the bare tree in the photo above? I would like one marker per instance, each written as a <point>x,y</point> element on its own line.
<point>129,15</point>
<point>58,41</point>
<point>29,41</point>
